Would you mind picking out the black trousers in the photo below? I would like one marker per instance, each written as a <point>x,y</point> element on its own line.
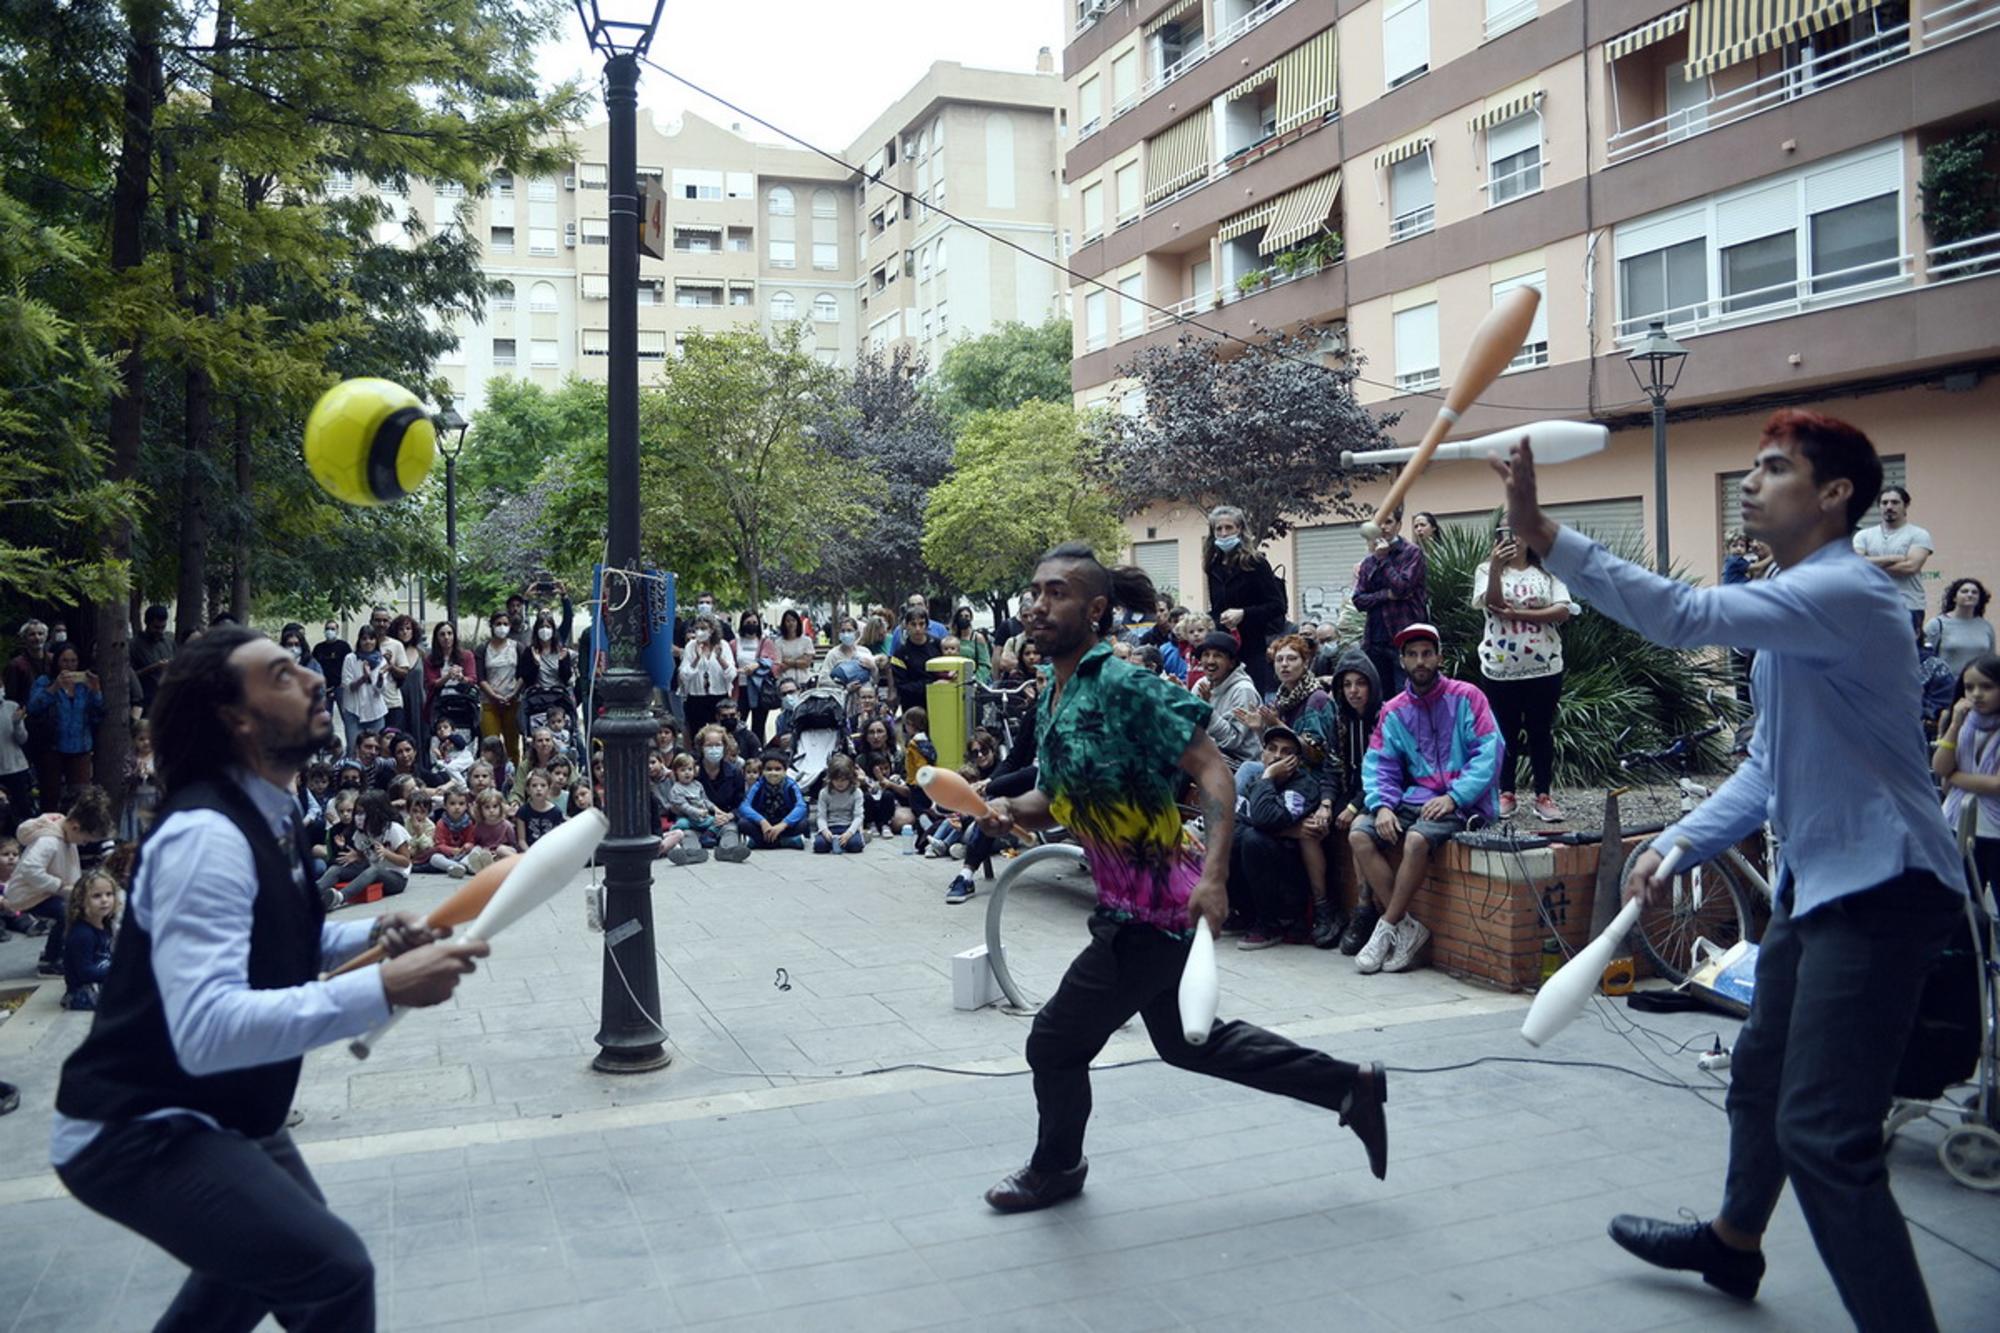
<point>244,1214</point>
<point>1388,663</point>
<point>1267,878</point>
<point>1526,706</point>
<point>1813,1072</point>
<point>1131,969</point>
<point>699,710</point>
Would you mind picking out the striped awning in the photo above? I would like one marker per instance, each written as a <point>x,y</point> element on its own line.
<point>1643,36</point>
<point>1247,221</point>
<point>1507,110</point>
<point>1179,155</point>
<point>1300,212</point>
<point>1254,82</point>
<point>1309,81</point>
<point>1403,151</point>
<point>1169,14</point>
<point>1722,33</point>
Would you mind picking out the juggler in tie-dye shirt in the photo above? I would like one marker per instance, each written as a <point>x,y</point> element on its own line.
<point>1109,753</point>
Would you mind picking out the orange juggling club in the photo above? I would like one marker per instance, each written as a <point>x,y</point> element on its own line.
<point>952,791</point>
<point>461,907</point>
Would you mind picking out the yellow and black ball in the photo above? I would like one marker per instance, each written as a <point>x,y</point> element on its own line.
<point>369,442</point>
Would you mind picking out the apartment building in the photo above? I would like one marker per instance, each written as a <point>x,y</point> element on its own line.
<point>1743,171</point>
<point>983,145</point>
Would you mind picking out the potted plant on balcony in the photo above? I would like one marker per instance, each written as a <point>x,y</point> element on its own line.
<point>1287,265</point>
<point>1251,281</point>
<point>1321,250</point>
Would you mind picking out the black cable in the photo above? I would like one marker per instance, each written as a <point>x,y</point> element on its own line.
<point>1185,321</point>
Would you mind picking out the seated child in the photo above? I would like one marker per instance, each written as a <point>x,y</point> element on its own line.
<point>451,835</point>
<point>837,812</point>
<point>382,844</point>
<point>886,806</point>
<point>773,813</point>
<point>687,801</point>
<point>492,831</point>
<point>1267,876</point>
<point>539,814</point>
<point>93,917</point>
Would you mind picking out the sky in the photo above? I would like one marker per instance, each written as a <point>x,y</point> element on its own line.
<point>822,69</point>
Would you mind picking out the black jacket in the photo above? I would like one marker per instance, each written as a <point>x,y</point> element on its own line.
<point>1270,810</point>
<point>1257,592</point>
<point>1353,730</point>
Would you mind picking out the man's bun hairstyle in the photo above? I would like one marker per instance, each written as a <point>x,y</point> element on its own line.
<point>1126,585</point>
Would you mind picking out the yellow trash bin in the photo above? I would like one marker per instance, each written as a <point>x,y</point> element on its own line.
<point>946,699</point>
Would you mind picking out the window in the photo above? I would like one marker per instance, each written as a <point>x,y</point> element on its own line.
<point>697,295</point>
<point>929,325</point>
<point>740,241</point>
<point>1126,181</point>
<point>741,295</point>
<point>503,184</point>
<point>501,241</point>
<point>1124,81</point>
<point>695,240</point>
<point>652,344</point>
<point>542,188</point>
<point>1670,283</point>
<point>340,182</point>
<point>1687,102</point>
<point>592,175</point>
<point>1131,314</point>
<point>503,351</point>
<point>1535,347</point>
<point>1094,334</point>
<point>739,185</point>
<point>1089,106</point>
<point>691,184</point>
<point>542,298</point>
<point>937,133</point>
<point>1417,347</point>
<point>1412,197</point>
<point>999,162</point>
<point>503,295</point>
<point>1093,212</point>
<point>1514,159</point>
<point>782,203</point>
<point>541,240</point>
<point>881,279</point>
<point>1406,40</point>
<point>944,318</point>
<point>784,254</point>
<point>824,204</point>
<point>784,306</point>
<point>597,342</point>
<point>544,352</point>
<point>909,263</point>
<point>1506,15</point>
<point>652,291</point>
<point>825,256</point>
<point>594,286</point>
<point>1855,244</point>
<point>1758,272</point>
<point>596,231</point>
<point>450,190</point>
<point>940,254</point>
<point>826,310</point>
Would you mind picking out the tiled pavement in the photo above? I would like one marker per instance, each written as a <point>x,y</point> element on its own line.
<point>501,1186</point>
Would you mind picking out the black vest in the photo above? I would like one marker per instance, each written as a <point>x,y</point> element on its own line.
<point>126,1066</point>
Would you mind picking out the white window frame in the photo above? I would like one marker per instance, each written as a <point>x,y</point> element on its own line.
<point>1125,184</point>
<point>1093,203</point>
<point>510,356</point>
<point>1502,190</point>
<point>1406,41</point>
<point>544,353</point>
<point>537,305</point>
<point>782,254</point>
<point>1535,347</point>
<point>826,255</point>
<point>1419,220</point>
<point>1096,331</point>
<point>1504,16</point>
<point>783,306</point>
<point>826,309</point>
<point>1409,326</point>
<point>1131,307</point>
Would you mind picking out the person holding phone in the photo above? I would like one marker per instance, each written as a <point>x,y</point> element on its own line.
<point>1521,658</point>
<point>74,699</point>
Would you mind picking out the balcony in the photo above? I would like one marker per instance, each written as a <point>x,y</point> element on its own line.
<point>1970,258</point>
<point>1250,22</point>
<point>1811,71</point>
<point>1189,59</point>
<point>1201,51</point>
<point>1276,277</point>
<point>1815,291</point>
<point>1413,224</point>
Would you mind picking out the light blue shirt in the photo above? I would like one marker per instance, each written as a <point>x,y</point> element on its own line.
<point>1837,763</point>
<point>197,884</point>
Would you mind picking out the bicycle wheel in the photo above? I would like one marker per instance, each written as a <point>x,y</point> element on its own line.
<point>1705,902</point>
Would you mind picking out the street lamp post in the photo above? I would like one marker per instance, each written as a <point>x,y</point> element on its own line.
<point>451,442</point>
<point>1656,364</point>
<point>629,1037</point>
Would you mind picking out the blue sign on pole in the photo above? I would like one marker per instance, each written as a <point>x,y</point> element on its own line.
<point>658,594</point>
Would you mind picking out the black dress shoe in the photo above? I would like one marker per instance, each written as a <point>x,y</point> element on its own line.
<point>1362,1113</point>
<point>1031,1188</point>
<point>1359,927</point>
<point>1694,1247</point>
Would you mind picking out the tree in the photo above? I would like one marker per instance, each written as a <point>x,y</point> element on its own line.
<point>1013,364</point>
<point>1262,428</point>
<point>1021,481</point>
<point>518,456</point>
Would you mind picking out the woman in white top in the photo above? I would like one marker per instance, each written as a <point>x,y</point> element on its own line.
<point>1521,658</point>
<point>708,672</point>
<point>795,651</point>
<point>847,662</point>
<point>365,682</point>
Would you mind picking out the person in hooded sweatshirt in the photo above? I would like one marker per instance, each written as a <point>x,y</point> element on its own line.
<point>1357,703</point>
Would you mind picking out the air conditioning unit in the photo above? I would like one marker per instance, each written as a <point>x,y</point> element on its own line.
<point>569,235</point>
<point>569,182</point>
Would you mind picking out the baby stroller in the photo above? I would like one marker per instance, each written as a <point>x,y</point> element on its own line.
<point>1957,1042</point>
<point>819,731</point>
<point>457,702</point>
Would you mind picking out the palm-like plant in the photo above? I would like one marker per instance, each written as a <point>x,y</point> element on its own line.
<point>1615,680</point>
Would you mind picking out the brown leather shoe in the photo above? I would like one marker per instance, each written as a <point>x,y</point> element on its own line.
<point>1031,1188</point>
<point>1362,1113</point>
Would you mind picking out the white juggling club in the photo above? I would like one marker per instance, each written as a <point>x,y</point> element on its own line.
<point>1564,995</point>
<point>538,874</point>
<point>1553,442</point>
<point>1200,990</point>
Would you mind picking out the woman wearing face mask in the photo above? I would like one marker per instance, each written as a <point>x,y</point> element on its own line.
<point>551,675</point>
<point>1245,597</point>
<point>502,666</point>
<point>445,664</point>
<point>708,672</point>
<point>973,643</point>
<point>795,651</point>
<point>364,682</point>
<point>292,638</point>
<point>757,668</point>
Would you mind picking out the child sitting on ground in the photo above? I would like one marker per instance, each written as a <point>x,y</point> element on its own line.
<point>1267,879</point>
<point>688,803</point>
<point>93,917</point>
<point>838,811</point>
<point>539,814</point>
<point>452,847</point>
<point>773,813</point>
<point>413,804</point>
<point>883,807</point>
<point>19,923</point>
<point>917,753</point>
<point>492,832</point>
<point>384,847</point>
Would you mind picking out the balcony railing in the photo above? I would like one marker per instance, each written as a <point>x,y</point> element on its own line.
<point>1413,224</point>
<point>1180,310</point>
<point>1969,258</point>
<point>1277,278</point>
<point>1250,22</point>
<point>1189,59</point>
<point>1813,291</point>
<point>1962,18</point>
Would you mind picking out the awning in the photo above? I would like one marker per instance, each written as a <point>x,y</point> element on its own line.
<point>1179,155</point>
<point>698,226</point>
<point>1247,221</point>
<point>1309,81</point>
<point>1403,151</point>
<point>1722,33</point>
<point>592,173</point>
<point>1169,14</point>
<point>1643,36</point>
<point>1507,110</point>
<point>1253,83</point>
<point>1300,212</point>
<point>597,340</point>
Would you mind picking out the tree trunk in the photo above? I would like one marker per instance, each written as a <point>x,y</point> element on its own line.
<point>129,193</point>
<point>239,582</point>
<point>198,421</point>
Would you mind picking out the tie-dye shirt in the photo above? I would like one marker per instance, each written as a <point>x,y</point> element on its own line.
<point>1109,751</point>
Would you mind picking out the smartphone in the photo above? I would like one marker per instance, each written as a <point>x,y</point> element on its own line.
<point>1503,533</point>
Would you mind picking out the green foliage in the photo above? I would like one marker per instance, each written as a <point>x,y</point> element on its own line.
<point>1012,365</point>
<point>1613,677</point>
<point>1961,195</point>
<point>1021,481</point>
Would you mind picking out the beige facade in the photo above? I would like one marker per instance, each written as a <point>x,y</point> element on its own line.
<point>1759,198</point>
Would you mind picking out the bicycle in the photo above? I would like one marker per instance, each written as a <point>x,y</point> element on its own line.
<point>1004,709</point>
<point>1714,901</point>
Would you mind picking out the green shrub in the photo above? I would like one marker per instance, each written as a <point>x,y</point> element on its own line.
<point>1613,677</point>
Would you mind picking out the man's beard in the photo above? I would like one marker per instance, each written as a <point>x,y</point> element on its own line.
<point>291,746</point>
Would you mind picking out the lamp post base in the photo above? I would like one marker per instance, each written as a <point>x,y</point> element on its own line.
<point>635,1060</point>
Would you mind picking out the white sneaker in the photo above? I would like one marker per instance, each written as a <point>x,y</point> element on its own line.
<point>458,870</point>
<point>478,859</point>
<point>1411,936</point>
<point>1378,946</point>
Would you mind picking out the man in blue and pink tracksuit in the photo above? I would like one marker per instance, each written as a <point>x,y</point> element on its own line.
<point>1430,766</point>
